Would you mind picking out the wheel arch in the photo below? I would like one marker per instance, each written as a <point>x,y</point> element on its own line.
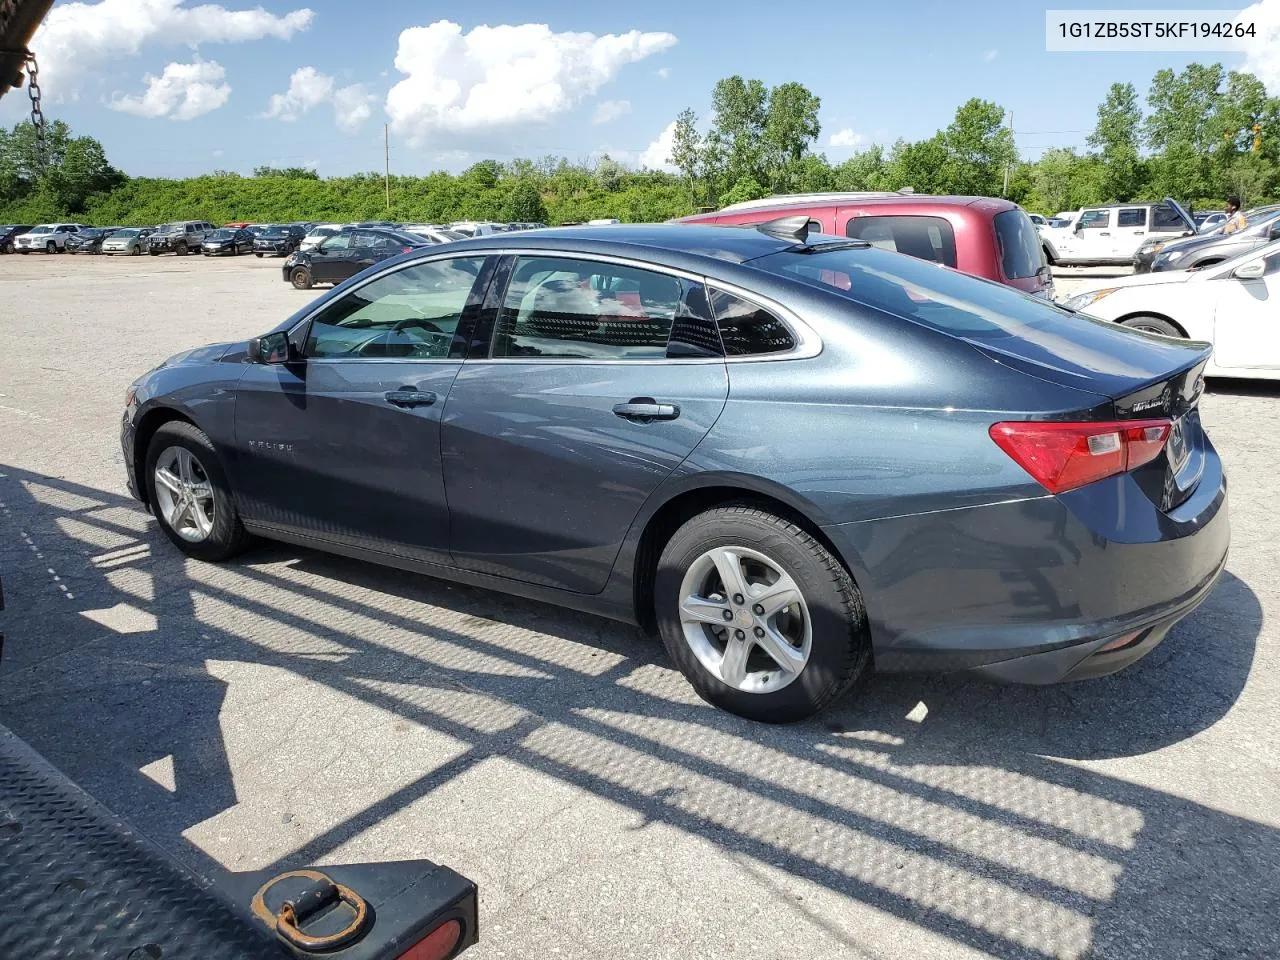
<point>683,503</point>
<point>147,424</point>
<point>1158,315</point>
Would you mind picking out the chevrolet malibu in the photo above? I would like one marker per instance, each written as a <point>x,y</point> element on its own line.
<point>797,457</point>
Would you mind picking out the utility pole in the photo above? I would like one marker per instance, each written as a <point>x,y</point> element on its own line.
<point>386,160</point>
<point>1005,192</point>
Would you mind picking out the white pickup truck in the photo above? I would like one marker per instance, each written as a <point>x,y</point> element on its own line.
<point>1112,234</point>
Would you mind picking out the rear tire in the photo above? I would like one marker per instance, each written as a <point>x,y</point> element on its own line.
<point>1048,257</point>
<point>8,246</point>
<point>1152,324</point>
<point>50,247</point>
<point>180,248</point>
<point>827,615</point>
<point>300,277</point>
<point>227,535</point>
<point>258,255</point>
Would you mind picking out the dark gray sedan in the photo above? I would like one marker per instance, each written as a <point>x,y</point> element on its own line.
<point>795,456</point>
<point>1262,226</point>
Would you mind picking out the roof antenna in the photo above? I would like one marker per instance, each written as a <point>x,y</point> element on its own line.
<point>787,228</point>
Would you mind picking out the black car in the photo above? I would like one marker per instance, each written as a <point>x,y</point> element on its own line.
<point>228,242</point>
<point>1262,225</point>
<point>345,254</point>
<point>89,240</point>
<point>278,240</point>
<point>8,232</point>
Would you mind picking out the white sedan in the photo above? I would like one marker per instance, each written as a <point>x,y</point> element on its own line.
<point>1235,305</point>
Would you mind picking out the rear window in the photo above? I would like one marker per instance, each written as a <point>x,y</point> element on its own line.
<point>926,238</point>
<point>944,300</point>
<point>1020,252</point>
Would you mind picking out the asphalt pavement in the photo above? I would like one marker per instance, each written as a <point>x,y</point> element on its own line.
<point>292,707</point>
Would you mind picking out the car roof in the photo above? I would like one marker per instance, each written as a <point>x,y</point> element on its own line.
<point>726,243</point>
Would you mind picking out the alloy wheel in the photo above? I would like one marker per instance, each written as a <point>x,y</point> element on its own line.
<point>184,495</point>
<point>745,619</point>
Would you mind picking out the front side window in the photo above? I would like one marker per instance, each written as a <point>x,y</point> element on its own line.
<point>1094,220</point>
<point>1021,255</point>
<point>337,243</point>
<point>411,314</point>
<point>1132,217</point>
<point>564,308</point>
<point>748,329</point>
<point>926,238</point>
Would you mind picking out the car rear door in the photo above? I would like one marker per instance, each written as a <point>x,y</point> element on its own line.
<point>331,261</point>
<point>343,445</point>
<point>1246,327</point>
<point>1130,231</point>
<point>597,380</point>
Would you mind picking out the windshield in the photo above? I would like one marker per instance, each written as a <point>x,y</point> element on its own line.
<point>274,232</point>
<point>127,232</point>
<point>223,234</point>
<point>91,234</point>
<point>38,230</point>
<point>171,228</point>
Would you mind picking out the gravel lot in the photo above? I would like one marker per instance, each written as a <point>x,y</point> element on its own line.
<point>295,707</point>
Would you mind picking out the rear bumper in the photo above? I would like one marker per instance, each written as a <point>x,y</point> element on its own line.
<point>1031,591</point>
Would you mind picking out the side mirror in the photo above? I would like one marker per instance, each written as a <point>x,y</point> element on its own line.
<point>271,348</point>
<point>1253,270</point>
<point>1079,227</point>
<point>1274,232</point>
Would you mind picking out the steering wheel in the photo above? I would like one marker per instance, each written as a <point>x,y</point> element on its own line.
<point>417,322</point>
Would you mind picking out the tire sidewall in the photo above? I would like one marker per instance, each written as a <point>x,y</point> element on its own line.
<point>305,283</point>
<point>227,533</point>
<point>1169,330</point>
<point>839,626</point>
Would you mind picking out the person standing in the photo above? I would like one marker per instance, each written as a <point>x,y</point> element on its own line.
<point>1235,219</point>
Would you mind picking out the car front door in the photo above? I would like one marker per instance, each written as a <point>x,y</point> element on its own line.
<point>343,443</point>
<point>1246,327</point>
<point>598,380</point>
<point>1091,237</point>
<point>331,261</point>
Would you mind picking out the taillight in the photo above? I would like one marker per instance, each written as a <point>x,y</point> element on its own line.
<point>405,249</point>
<point>436,945</point>
<point>1063,456</point>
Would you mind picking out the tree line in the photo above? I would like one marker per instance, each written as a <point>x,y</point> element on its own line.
<point>1205,133</point>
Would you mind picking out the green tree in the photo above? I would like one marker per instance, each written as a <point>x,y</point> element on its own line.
<point>524,204</point>
<point>734,145</point>
<point>747,188</point>
<point>920,166</point>
<point>1117,138</point>
<point>610,173</point>
<point>866,170</point>
<point>687,154</point>
<point>979,149</point>
<point>790,128</point>
<point>289,173</point>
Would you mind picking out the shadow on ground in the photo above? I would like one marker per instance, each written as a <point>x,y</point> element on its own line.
<point>970,824</point>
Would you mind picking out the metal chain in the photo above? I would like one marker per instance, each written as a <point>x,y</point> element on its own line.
<point>37,114</point>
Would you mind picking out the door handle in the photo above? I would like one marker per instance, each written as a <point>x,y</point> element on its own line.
<point>1139,233</point>
<point>410,398</point>
<point>645,410</point>
<point>1104,233</point>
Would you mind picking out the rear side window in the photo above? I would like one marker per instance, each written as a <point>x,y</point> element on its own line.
<point>748,330</point>
<point>562,308</point>
<point>1020,252</point>
<point>1132,217</point>
<point>1094,220</point>
<point>926,238</point>
<point>1164,217</point>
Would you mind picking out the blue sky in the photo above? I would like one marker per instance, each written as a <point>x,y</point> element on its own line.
<point>175,87</point>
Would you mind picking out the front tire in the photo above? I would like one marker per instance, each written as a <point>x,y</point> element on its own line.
<point>180,249</point>
<point>758,615</point>
<point>258,255</point>
<point>1152,324</point>
<point>189,493</point>
<point>300,277</point>
<point>50,247</point>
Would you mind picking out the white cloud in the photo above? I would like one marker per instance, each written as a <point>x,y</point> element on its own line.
<point>664,73</point>
<point>494,77</point>
<point>847,138</point>
<point>990,55</point>
<point>1262,53</point>
<point>308,88</point>
<point>657,156</point>
<point>182,92</point>
<point>352,106</point>
<point>78,39</point>
<point>609,110</point>
<point>219,152</point>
